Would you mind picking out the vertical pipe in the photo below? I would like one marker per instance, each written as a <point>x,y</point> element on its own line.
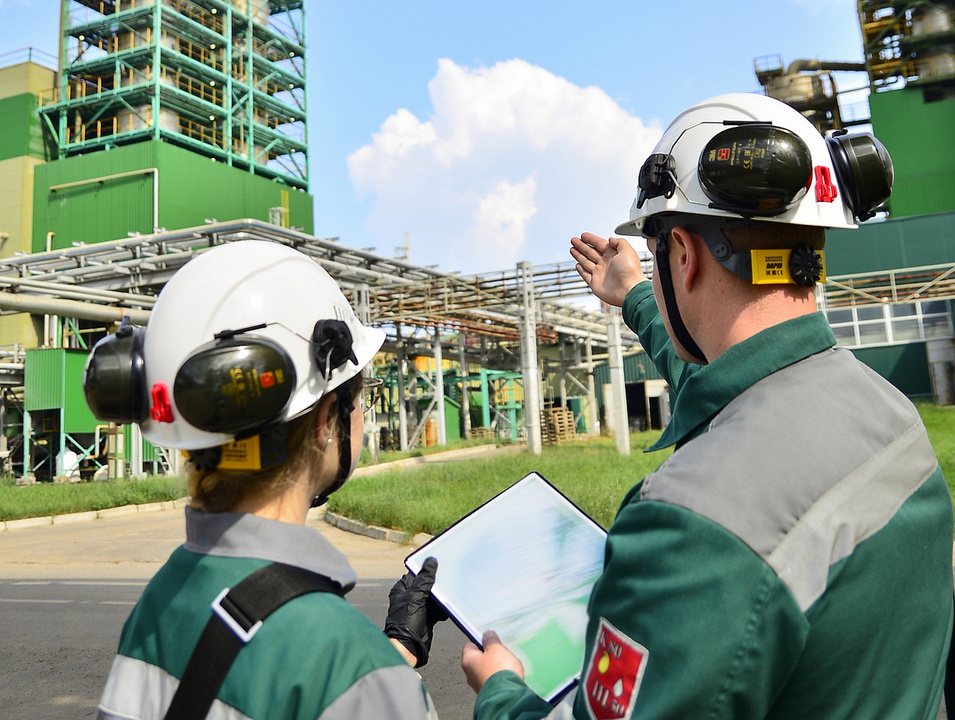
<point>46,317</point>
<point>465,401</point>
<point>593,416</point>
<point>157,66</point>
<point>532,404</point>
<point>27,443</point>
<point>57,462</point>
<point>439,387</point>
<point>402,395</point>
<point>485,399</point>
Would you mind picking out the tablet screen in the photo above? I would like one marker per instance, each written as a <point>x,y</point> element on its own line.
<point>523,564</point>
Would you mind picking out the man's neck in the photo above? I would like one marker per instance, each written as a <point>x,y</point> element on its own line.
<point>749,313</point>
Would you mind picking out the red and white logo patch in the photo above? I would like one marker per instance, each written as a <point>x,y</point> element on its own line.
<point>613,674</point>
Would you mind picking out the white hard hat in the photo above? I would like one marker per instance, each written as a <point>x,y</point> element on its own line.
<point>750,156</point>
<point>246,335</point>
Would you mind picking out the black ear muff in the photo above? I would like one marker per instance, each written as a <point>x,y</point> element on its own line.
<point>332,345</point>
<point>235,385</point>
<point>864,170</point>
<point>114,379</point>
<point>755,169</point>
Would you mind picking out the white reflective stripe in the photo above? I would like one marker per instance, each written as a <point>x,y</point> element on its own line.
<point>136,689</point>
<point>856,508</point>
<point>388,693</point>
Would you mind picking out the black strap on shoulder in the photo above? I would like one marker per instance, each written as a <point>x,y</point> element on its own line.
<point>237,615</point>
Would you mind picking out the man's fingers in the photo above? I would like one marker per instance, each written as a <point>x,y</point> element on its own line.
<point>595,241</point>
<point>581,249</point>
<point>587,276</point>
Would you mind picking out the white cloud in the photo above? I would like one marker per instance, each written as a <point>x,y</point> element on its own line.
<point>512,162</point>
<point>501,219</point>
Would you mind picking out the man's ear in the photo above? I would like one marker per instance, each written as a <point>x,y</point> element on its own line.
<point>685,248</point>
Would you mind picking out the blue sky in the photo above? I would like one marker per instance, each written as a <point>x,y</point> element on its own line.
<point>492,132</point>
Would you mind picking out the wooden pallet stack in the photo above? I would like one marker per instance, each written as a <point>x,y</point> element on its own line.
<point>482,433</point>
<point>557,426</point>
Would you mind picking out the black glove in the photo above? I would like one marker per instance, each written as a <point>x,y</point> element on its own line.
<point>412,612</point>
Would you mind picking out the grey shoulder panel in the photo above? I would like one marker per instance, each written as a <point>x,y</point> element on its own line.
<point>806,463</point>
<point>395,692</point>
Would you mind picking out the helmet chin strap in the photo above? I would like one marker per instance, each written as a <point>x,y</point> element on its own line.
<point>662,267</point>
<point>346,404</point>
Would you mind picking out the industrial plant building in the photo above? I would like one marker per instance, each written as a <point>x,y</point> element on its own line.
<point>109,151</point>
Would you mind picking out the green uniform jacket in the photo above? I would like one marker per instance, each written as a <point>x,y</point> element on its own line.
<point>792,559</point>
<point>314,657</point>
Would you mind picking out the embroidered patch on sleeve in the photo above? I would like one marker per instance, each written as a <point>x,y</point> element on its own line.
<point>613,674</point>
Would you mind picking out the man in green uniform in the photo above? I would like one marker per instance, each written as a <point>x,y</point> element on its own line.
<point>793,557</point>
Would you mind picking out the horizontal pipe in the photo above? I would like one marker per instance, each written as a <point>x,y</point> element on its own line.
<point>70,308</point>
<point>799,65</point>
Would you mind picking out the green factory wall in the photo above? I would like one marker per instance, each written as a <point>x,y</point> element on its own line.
<point>53,378</point>
<point>192,188</point>
<point>22,133</point>
<point>920,139</point>
<point>892,244</point>
<point>905,366</point>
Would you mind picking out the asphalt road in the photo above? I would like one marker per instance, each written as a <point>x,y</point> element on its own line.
<point>65,592</point>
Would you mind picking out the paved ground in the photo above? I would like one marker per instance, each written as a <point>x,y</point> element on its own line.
<point>66,589</point>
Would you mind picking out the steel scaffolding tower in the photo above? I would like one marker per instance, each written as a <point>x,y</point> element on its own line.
<point>909,43</point>
<point>223,79</point>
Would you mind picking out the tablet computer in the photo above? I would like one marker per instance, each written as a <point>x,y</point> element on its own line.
<point>523,564</point>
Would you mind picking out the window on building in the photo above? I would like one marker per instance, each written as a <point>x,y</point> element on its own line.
<point>886,324</point>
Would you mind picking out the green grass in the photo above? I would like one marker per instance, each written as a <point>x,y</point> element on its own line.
<point>940,423</point>
<point>430,497</point>
<point>49,499</point>
<point>590,472</point>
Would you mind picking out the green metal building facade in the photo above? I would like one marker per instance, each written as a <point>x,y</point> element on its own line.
<point>920,137</point>
<point>137,188</point>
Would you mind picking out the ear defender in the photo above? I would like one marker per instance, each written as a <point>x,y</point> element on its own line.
<point>332,346</point>
<point>114,379</point>
<point>236,384</point>
<point>755,169</point>
<point>864,170</point>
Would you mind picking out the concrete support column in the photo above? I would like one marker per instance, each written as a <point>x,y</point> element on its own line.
<point>439,387</point>
<point>618,392</point>
<point>562,375</point>
<point>485,399</point>
<point>402,394</point>
<point>135,451</point>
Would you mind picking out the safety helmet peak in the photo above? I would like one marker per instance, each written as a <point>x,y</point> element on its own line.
<point>750,156</point>
<point>246,335</point>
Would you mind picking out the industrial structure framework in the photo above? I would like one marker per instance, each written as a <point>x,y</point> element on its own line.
<point>495,321</point>
<point>909,43</point>
<point>224,79</point>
